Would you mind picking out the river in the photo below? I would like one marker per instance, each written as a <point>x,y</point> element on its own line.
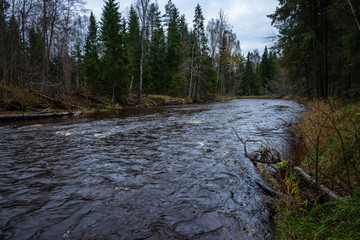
<point>158,173</point>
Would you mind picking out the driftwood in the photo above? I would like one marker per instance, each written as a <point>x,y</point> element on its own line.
<point>28,116</point>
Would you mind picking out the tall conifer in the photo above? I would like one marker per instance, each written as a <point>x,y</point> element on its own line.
<point>91,56</point>
<point>114,57</point>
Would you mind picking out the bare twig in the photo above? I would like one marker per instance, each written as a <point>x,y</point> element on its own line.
<point>243,142</point>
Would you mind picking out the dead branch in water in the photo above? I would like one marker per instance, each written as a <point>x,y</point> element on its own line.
<point>269,158</point>
<point>243,142</point>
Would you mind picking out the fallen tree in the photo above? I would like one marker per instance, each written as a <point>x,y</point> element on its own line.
<point>29,116</point>
<point>273,160</point>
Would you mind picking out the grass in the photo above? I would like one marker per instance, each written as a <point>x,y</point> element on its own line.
<point>329,133</point>
<point>85,111</point>
<point>328,138</point>
<point>331,220</point>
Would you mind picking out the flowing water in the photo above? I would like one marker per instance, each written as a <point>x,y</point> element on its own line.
<point>161,173</point>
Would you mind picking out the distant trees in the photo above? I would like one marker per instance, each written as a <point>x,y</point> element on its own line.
<point>36,41</point>
<point>45,45</point>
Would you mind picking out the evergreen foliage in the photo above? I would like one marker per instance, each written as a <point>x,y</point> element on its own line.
<point>134,48</point>
<point>162,53</point>
<point>317,53</point>
<point>320,47</point>
<point>114,59</point>
<point>91,55</point>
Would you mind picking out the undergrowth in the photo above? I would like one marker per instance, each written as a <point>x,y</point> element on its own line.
<point>328,142</point>
<point>329,133</point>
<point>331,220</point>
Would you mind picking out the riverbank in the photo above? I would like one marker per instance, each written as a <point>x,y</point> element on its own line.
<point>328,149</point>
<point>19,100</point>
<point>26,103</point>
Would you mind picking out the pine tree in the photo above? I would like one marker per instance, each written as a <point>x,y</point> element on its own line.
<point>114,58</point>
<point>91,55</point>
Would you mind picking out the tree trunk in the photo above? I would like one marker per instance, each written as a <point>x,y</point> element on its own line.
<point>191,73</point>
<point>143,11</point>
<point>355,12</point>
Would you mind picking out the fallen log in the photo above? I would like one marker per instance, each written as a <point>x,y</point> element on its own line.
<point>29,116</point>
<point>306,176</point>
<point>322,187</point>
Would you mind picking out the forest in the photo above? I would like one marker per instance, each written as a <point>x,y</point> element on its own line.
<point>319,43</point>
<point>59,47</point>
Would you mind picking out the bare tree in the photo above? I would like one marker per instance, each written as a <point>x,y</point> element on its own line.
<point>216,32</point>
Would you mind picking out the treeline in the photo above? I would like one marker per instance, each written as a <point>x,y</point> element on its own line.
<point>320,46</point>
<point>52,46</point>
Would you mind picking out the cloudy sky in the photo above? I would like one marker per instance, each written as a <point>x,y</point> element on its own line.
<point>247,17</point>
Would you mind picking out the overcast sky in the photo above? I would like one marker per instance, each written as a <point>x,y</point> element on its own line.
<point>247,17</point>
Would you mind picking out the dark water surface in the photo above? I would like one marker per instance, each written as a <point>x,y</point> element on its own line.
<point>162,173</point>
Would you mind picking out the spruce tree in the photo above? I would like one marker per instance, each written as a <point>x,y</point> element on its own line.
<point>113,58</point>
<point>157,54</point>
<point>199,53</point>
<point>133,48</point>
<point>265,73</point>
<point>248,84</point>
<point>35,53</point>
<point>91,55</point>
<point>173,51</point>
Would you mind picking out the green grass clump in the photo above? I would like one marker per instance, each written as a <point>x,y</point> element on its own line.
<point>332,220</point>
